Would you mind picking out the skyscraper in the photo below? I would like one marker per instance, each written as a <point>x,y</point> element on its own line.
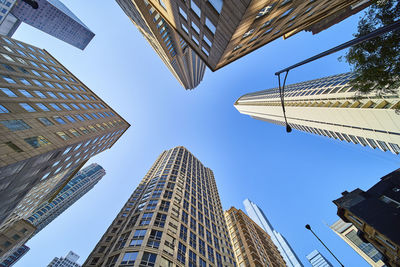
<point>330,107</point>
<point>50,125</point>
<point>252,246</point>
<point>52,17</point>
<point>258,216</point>
<point>77,187</point>
<point>375,213</point>
<point>348,232</point>
<point>50,209</point>
<point>317,260</point>
<point>68,261</point>
<point>222,31</point>
<point>173,218</point>
<point>181,60</point>
<point>15,256</point>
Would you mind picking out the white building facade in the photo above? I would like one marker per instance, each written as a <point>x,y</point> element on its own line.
<point>331,107</point>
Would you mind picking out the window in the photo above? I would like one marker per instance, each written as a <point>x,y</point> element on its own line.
<point>160,220</point>
<point>181,253</point>
<point>45,121</point>
<point>25,93</point>
<point>27,107</point>
<point>164,206</point>
<point>15,125</point>
<point>74,132</point>
<point>148,259</point>
<point>70,118</point>
<point>183,233</point>
<point>217,4</point>
<point>210,25</point>
<point>24,81</point>
<point>42,107</point>
<point>37,141</point>
<point>192,259</point>
<point>129,259</point>
<point>63,135</point>
<point>66,106</point>
<point>3,109</point>
<point>8,92</point>
<point>52,95</point>
<point>195,8</point>
<point>111,261</point>
<point>59,120</point>
<point>154,239</point>
<point>138,238</point>
<point>55,106</point>
<point>183,13</point>
<point>14,147</point>
<point>146,218</point>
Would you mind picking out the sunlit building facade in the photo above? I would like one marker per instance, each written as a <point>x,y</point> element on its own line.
<point>15,256</point>
<point>331,107</point>
<point>51,124</point>
<point>173,218</point>
<point>180,59</point>
<point>222,31</point>
<point>252,246</point>
<point>349,233</point>
<point>375,213</point>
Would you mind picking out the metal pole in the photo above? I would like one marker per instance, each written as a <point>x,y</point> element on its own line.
<point>385,29</point>
<point>309,228</point>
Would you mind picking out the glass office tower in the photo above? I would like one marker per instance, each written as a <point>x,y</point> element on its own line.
<point>258,216</point>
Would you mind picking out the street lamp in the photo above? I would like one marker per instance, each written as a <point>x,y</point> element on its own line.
<point>308,227</point>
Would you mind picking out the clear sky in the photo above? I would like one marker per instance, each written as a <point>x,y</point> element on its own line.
<point>292,177</point>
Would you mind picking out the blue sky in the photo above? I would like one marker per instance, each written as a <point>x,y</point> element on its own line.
<point>292,177</point>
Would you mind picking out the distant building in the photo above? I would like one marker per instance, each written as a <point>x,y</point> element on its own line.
<point>331,107</point>
<point>8,22</point>
<point>221,32</point>
<point>375,213</point>
<point>68,261</point>
<point>15,256</point>
<point>51,124</point>
<point>180,59</point>
<point>52,17</point>
<point>258,216</point>
<point>348,232</point>
<point>77,187</point>
<point>317,260</point>
<point>252,246</point>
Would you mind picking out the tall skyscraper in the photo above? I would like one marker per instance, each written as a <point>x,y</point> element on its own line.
<point>15,256</point>
<point>50,209</point>
<point>348,232</point>
<point>330,107</point>
<point>77,187</point>
<point>258,216</point>
<point>51,124</point>
<point>252,246</point>
<point>68,261</point>
<point>181,60</point>
<point>317,260</point>
<point>52,17</point>
<point>173,218</point>
<point>222,31</point>
<point>375,213</point>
